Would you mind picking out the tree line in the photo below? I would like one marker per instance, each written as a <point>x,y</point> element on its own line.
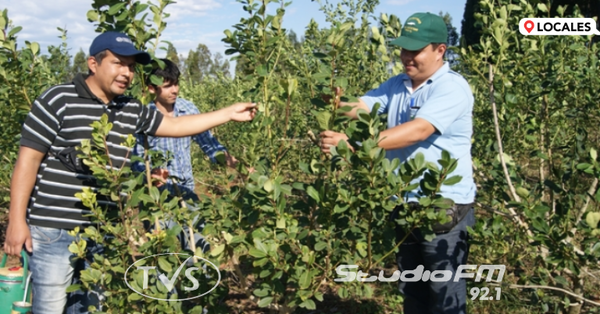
<point>199,64</point>
<point>471,30</point>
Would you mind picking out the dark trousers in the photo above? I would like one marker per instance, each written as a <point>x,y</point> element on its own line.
<point>445,252</point>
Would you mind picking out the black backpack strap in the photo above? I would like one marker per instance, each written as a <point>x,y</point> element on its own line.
<point>70,159</point>
<point>69,156</point>
<point>112,112</point>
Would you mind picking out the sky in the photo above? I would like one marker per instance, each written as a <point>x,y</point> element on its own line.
<point>191,21</point>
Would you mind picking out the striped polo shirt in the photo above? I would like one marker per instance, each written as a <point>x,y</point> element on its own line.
<point>61,118</point>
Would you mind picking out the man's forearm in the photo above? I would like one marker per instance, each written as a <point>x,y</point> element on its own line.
<point>23,181</point>
<point>192,124</point>
<point>406,134</point>
<point>198,123</point>
<point>355,107</point>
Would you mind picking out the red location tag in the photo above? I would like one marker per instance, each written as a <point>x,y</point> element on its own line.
<point>529,26</point>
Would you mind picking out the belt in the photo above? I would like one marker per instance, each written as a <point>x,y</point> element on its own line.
<point>457,213</point>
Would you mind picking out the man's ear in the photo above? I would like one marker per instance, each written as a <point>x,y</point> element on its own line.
<point>92,64</point>
<point>441,51</point>
<point>152,89</point>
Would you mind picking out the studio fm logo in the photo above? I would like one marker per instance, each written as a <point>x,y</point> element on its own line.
<point>558,26</point>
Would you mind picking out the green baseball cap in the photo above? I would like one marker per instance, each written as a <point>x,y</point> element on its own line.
<point>420,30</point>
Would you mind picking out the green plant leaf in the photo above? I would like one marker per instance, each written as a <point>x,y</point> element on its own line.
<point>452,180</point>
<point>257,253</point>
<point>116,8</point>
<point>522,192</point>
<point>264,302</point>
<point>592,219</point>
<point>217,250</point>
<point>308,304</point>
<point>305,280</point>
<point>164,264</point>
<point>314,194</point>
<point>262,70</point>
<point>134,297</point>
<point>319,246</point>
<point>35,48</point>
<point>15,30</point>
<point>323,118</point>
<point>73,288</point>
<point>342,82</point>
<point>280,223</point>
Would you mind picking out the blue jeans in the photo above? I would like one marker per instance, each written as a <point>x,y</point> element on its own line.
<point>445,252</point>
<point>54,269</point>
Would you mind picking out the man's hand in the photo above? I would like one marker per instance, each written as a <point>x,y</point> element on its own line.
<point>242,111</point>
<point>160,175</point>
<point>230,161</point>
<point>21,185</point>
<point>337,100</point>
<point>330,138</point>
<point>17,234</point>
<point>188,125</point>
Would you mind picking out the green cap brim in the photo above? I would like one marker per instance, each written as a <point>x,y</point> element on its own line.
<point>409,43</point>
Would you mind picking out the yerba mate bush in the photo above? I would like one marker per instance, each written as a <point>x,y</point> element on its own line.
<point>24,73</point>
<point>535,147</point>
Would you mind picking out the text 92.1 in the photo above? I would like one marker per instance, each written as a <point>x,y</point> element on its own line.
<point>485,293</point>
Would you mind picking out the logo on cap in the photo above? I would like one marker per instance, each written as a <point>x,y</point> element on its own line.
<point>411,23</point>
<point>124,39</point>
<point>416,19</point>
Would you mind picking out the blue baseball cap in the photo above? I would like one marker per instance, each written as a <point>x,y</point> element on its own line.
<point>120,44</point>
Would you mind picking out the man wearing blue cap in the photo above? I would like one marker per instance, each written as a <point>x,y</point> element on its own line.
<point>46,176</point>
<point>429,110</point>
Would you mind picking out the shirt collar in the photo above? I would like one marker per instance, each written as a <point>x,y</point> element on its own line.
<point>83,90</point>
<point>408,84</point>
<point>178,105</point>
<point>441,71</point>
<point>178,108</point>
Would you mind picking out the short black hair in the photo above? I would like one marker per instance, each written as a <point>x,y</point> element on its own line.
<point>99,56</point>
<point>169,74</point>
<point>435,45</point>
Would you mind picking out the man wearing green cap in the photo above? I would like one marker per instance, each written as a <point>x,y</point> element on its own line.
<point>429,110</point>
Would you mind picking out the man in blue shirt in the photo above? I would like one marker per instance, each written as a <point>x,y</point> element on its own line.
<point>180,166</point>
<point>429,110</point>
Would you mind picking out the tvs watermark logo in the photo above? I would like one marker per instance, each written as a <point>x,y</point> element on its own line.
<point>148,269</point>
<point>558,26</point>
<point>418,274</point>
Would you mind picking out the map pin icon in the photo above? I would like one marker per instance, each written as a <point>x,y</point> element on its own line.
<point>529,26</point>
